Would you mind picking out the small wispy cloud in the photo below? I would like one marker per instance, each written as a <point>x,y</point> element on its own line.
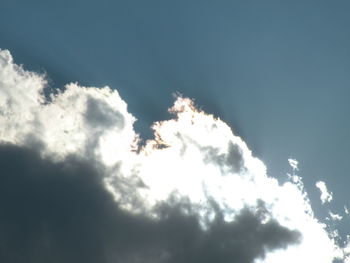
<point>294,164</point>
<point>326,196</point>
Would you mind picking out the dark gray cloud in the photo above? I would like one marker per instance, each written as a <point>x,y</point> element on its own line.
<point>233,158</point>
<point>100,114</point>
<point>61,212</point>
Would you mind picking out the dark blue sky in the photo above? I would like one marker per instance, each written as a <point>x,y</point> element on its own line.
<point>277,71</point>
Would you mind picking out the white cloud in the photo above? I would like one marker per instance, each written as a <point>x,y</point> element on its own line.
<point>294,164</point>
<point>335,217</point>
<point>79,120</point>
<point>193,157</point>
<point>326,196</point>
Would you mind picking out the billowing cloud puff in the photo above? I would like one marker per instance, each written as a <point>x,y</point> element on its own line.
<point>76,186</point>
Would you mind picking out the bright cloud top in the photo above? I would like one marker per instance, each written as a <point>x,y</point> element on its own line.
<point>195,162</point>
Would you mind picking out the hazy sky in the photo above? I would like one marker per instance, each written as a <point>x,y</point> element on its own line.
<point>278,72</point>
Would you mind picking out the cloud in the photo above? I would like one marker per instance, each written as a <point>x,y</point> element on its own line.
<point>294,164</point>
<point>326,196</point>
<point>61,212</point>
<point>335,217</point>
<point>76,185</point>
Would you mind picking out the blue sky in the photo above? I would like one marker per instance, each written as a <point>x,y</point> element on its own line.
<point>277,71</point>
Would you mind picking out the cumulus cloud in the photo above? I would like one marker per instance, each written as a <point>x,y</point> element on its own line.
<point>76,185</point>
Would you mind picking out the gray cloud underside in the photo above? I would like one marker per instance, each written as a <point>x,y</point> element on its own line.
<point>61,212</point>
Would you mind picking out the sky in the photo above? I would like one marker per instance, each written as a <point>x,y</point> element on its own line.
<point>275,73</point>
